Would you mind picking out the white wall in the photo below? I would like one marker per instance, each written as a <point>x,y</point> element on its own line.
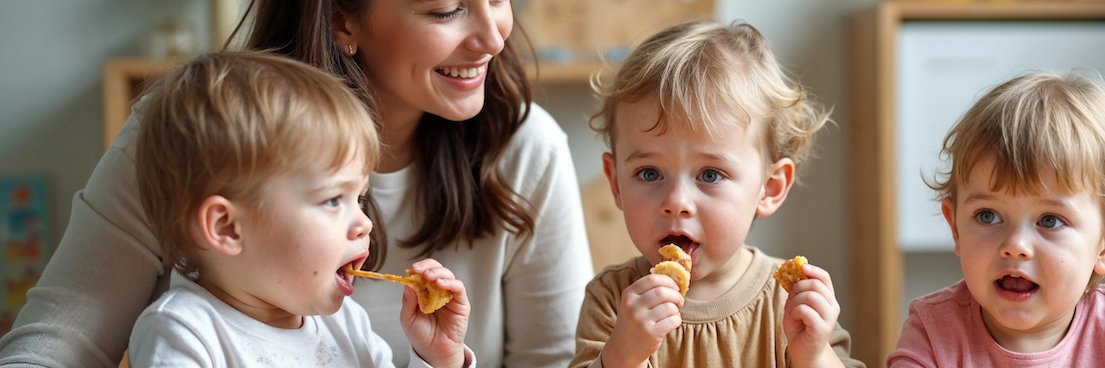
<point>50,104</point>
<point>50,93</point>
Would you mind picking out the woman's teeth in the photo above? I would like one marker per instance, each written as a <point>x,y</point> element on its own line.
<point>466,73</point>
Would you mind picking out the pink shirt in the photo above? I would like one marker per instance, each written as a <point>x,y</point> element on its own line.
<point>945,329</point>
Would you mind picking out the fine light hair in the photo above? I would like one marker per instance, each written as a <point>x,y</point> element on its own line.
<point>226,123</point>
<point>710,76</point>
<point>1032,125</point>
<point>462,194</point>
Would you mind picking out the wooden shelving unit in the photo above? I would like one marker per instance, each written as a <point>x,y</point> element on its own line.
<point>123,82</point>
<point>877,258</point>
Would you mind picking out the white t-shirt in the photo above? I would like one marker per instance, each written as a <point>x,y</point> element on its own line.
<point>188,326</point>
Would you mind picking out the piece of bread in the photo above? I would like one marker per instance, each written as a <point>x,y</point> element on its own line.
<point>676,264</point>
<point>790,272</point>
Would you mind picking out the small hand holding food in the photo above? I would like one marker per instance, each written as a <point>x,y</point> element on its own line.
<point>809,315</point>
<point>437,330</point>
<point>648,311</point>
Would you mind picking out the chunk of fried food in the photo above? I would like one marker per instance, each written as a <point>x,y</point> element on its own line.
<point>790,272</point>
<point>672,252</point>
<point>430,296</point>
<point>676,264</point>
<point>676,272</point>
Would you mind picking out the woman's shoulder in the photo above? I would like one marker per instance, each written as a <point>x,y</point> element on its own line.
<point>539,131</point>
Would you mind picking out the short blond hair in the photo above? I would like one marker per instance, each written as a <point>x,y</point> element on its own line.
<point>1031,124</point>
<point>226,122</point>
<point>706,73</point>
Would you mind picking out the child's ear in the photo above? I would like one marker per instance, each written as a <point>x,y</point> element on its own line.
<point>947,206</point>
<point>776,187</point>
<point>219,225</point>
<point>610,169</point>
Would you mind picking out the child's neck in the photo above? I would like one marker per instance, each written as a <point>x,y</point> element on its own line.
<point>721,281</point>
<point>253,307</point>
<point>1035,340</point>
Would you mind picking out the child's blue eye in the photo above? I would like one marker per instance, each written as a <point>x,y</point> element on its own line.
<point>333,202</point>
<point>1051,222</point>
<point>648,174</point>
<point>987,217</point>
<point>710,176</point>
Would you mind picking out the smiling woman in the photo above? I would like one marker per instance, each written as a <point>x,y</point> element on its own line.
<point>471,172</point>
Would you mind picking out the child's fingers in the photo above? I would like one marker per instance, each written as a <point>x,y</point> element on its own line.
<point>818,273</point>
<point>652,290</point>
<point>825,308</point>
<point>668,323</point>
<point>410,303</point>
<point>422,266</point>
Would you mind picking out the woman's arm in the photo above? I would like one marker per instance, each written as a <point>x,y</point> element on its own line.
<point>104,272</point>
<point>545,280</point>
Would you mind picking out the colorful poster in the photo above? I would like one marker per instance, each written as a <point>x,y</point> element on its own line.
<point>23,236</point>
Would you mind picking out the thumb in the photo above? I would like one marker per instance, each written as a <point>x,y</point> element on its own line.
<point>410,304</point>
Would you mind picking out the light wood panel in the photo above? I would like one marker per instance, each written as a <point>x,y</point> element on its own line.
<point>123,82</point>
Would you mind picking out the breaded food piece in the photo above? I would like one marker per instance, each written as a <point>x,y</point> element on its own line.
<point>676,271</point>
<point>672,252</point>
<point>676,264</point>
<point>790,272</point>
<point>430,296</point>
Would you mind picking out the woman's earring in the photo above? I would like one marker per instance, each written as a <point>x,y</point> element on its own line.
<point>349,46</point>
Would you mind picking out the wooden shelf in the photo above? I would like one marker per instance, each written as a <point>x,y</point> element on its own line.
<point>553,73</point>
<point>877,279</point>
<point>123,81</point>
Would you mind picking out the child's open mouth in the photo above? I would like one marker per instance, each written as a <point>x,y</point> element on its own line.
<point>344,279</point>
<point>1015,288</point>
<point>687,244</point>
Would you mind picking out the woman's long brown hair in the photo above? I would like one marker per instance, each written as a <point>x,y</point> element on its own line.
<point>462,194</point>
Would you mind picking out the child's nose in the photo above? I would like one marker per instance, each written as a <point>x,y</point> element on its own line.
<point>678,202</point>
<point>361,227</point>
<point>1017,243</point>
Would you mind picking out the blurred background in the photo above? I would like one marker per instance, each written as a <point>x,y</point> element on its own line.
<point>70,67</point>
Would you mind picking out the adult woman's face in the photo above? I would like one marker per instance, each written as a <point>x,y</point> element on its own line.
<point>432,55</point>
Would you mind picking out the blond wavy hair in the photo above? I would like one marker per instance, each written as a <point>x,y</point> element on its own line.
<point>1031,125</point>
<point>705,73</point>
<point>225,123</point>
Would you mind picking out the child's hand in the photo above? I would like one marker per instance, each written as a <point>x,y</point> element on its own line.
<point>809,317</point>
<point>649,309</point>
<point>438,338</point>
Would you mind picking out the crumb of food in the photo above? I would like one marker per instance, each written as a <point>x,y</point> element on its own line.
<point>790,272</point>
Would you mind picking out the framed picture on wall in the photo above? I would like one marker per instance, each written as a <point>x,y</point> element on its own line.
<point>23,237</point>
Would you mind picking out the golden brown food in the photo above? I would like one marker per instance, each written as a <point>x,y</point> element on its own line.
<point>790,272</point>
<point>676,272</point>
<point>676,264</point>
<point>430,296</point>
<point>672,252</point>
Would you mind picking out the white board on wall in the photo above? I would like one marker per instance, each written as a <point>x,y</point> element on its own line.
<point>943,68</point>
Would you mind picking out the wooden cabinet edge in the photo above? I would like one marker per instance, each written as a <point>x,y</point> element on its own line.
<point>120,76</point>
